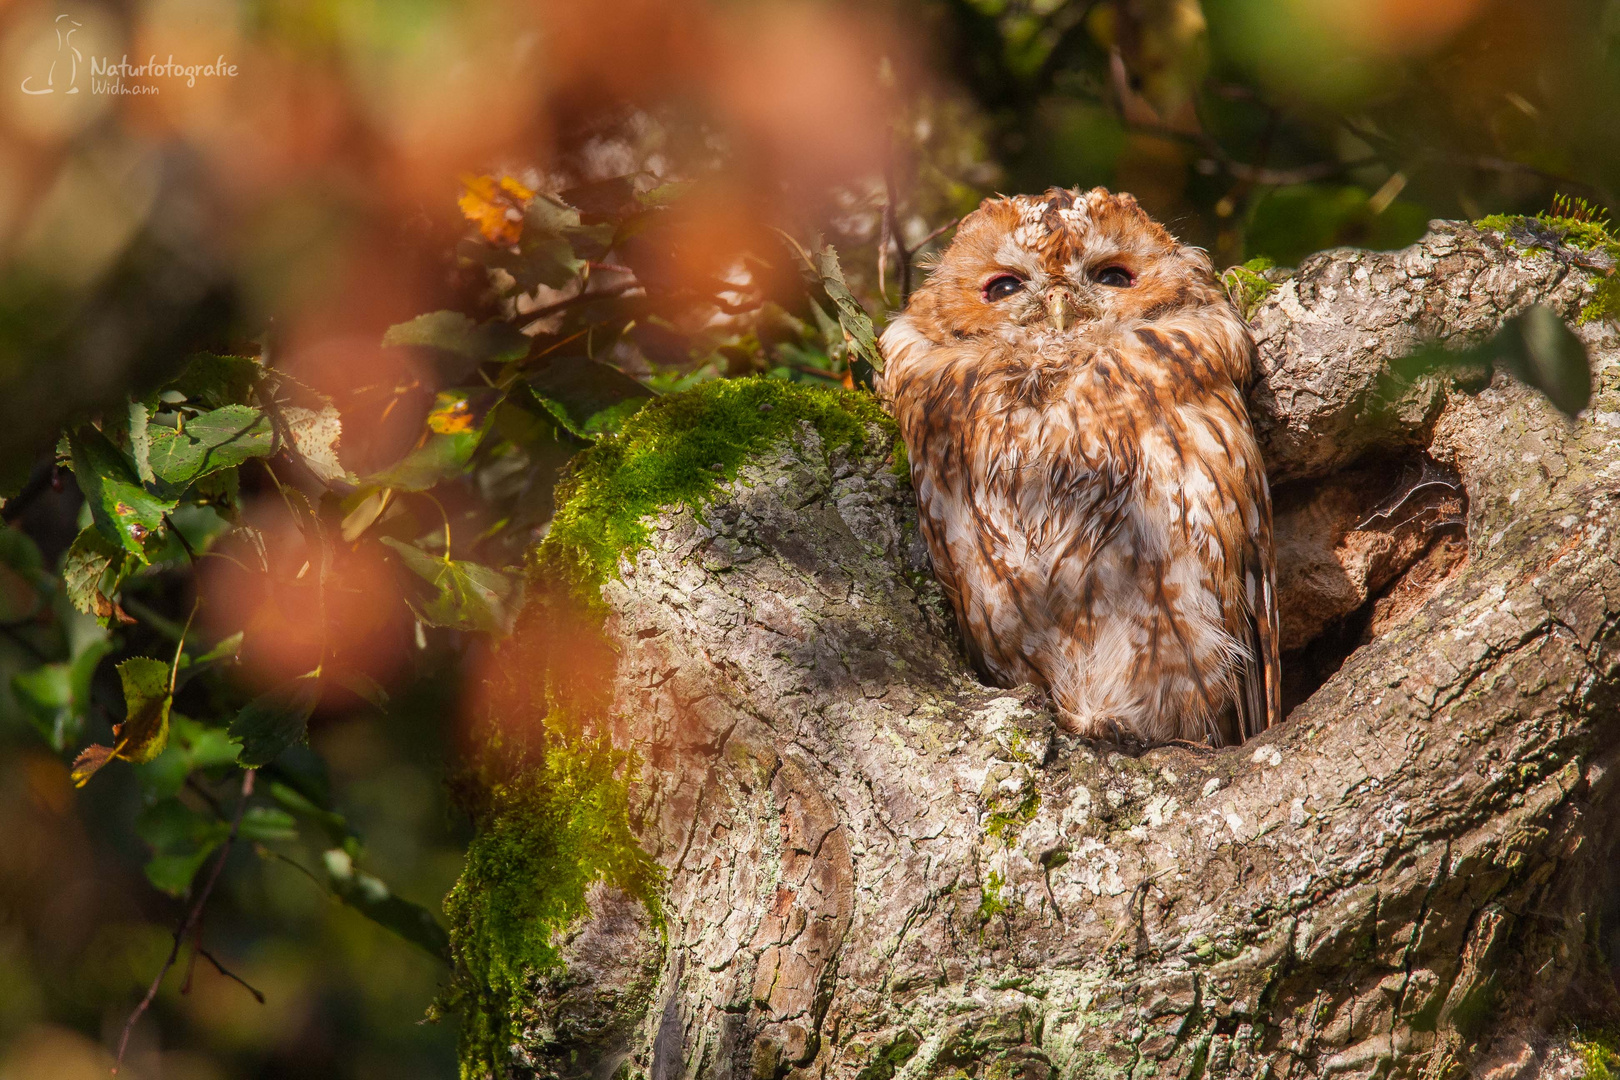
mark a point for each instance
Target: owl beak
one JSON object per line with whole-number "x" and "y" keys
{"x": 1060, "y": 309}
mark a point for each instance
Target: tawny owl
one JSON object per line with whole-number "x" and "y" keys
{"x": 1069, "y": 384}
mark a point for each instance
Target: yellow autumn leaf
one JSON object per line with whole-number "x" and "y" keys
{"x": 495, "y": 205}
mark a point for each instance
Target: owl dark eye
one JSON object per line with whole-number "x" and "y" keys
{"x": 1002, "y": 286}
{"x": 1114, "y": 276}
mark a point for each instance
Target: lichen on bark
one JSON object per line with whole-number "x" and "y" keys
{"x": 875, "y": 866}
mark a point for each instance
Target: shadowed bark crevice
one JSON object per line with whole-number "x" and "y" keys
{"x": 879, "y": 867}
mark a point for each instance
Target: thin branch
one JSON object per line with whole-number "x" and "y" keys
{"x": 231, "y": 975}
{"x": 191, "y": 552}
{"x": 193, "y": 915}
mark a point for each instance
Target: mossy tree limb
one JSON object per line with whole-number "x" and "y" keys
{"x": 877, "y": 867}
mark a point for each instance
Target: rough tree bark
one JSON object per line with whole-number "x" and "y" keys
{"x": 879, "y": 867}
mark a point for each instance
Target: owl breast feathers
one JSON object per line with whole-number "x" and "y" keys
{"x": 1069, "y": 385}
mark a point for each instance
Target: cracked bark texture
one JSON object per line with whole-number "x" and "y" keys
{"x": 878, "y": 867}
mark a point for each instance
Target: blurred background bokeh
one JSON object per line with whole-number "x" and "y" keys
{"x": 295, "y": 192}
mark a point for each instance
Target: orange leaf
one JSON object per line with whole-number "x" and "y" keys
{"x": 495, "y": 205}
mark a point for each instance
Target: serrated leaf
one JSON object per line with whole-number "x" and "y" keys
{"x": 85, "y": 572}
{"x": 466, "y": 595}
{"x": 144, "y": 731}
{"x": 214, "y": 381}
{"x": 586, "y": 397}
{"x": 272, "y": 722}
{"x": 124, "y": 511}
{"x": 316, "y": 436}
{"x": 209, "y": 443}
{"x": 372, "y": 897}
{"x": 455, "y": 333}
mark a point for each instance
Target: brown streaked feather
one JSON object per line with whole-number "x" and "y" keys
{"x": 1093, "y": 497}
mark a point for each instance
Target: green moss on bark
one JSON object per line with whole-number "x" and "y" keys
{"x": 545, "y": 834}
{"x": 548, "y": 792}
{"x": 1575, "y": 226}
{"x": 673, "y": 453}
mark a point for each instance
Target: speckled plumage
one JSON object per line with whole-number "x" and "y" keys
{"x": 1092, "y": 493}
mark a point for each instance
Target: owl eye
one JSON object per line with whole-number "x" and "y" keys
{"x": 1002, "y": 286}
{"x": 1114, "y": 276}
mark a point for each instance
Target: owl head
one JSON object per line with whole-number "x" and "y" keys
{"x": 1052, "y": 265}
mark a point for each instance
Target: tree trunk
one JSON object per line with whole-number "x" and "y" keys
{"x": 879, "y": 867}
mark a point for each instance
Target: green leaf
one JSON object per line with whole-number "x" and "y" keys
{"x": 1536, "y": 347}
{"x": 124, "y": 511}
{"x": 145, "y": 729}
{"x": 216, "y": 381}
{"x": 334, "y": 824}
{"x": 173, "y": 874}
{"x": 181, "y": 839}
{"x": 1540, "y": 350}
{"x": 84, "y": 571}
{"x": 372, "y": 898}
{"x": 455, "y": 333}
{"x": 192, "y": 746}
{"x": 208, "y": 443}
{"x": 854, "y": 320}
{"x": 440, "y": 458}
{"x": 587, "y": 398}
{"x": 548, "y": 249}
{"x": 140, "y": 443}
{"x": 272, "y": 722}
{"x": 46, "y": 695}
{"x": 225, "y": 650}
{"x": 22, "y": 577}
{"x": 467, "y": 596}
{"x": 665, "y": 195}
{"x": 56, "y": 697}
{"x": 267, "y": 824}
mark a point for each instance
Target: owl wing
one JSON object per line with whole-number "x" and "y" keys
{"x": 1259, "y": 700}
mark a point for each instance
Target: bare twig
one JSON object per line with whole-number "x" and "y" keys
{"x": 193, "y": 915}
{"x": 191, "y": 552}
{"x": 231, "y": 975}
